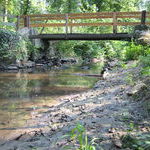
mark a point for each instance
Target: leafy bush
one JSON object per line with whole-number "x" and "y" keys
{"x": 133, "y": 51}
{"x": 13, "y": 47}
{"x": 81, "y": 49}
{"x": 88, "y": 50}
{"x": 66, "y": 48}
{"x": 145, "y": 71}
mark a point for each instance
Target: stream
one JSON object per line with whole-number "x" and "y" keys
{"x": 24, "y": 94}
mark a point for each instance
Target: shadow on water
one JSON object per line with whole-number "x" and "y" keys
{"x": 22, "y": 94}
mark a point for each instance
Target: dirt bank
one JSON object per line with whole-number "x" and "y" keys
{"x": 106, "y": 112}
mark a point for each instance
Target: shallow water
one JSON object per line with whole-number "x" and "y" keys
{"x": 23, "y": 94}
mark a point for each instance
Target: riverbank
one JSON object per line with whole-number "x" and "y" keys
{"x": 106, "y": 112}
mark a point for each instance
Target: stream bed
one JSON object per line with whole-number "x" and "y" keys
{"x": 24, "y": 94}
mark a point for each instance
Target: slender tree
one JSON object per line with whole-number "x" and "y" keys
{"x": 25, "y": 7}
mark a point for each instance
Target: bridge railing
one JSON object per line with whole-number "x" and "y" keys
{"x": 113, "y": 19}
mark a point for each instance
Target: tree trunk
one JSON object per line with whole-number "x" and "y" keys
{"x": 26, "y": 7}
{"x": 5, "y": 11}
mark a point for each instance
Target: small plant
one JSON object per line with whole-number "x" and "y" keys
{"x": 145, "y": 62}
{"x": 80, "y": 139}
{"x": 135, "y": 142}
{"x": 141, "y": 142}
{"x": 129, "y": 79}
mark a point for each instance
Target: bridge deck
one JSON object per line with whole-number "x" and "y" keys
{"x": 75, "y": 36}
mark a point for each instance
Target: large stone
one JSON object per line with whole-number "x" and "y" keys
{"x": 136, "y": 89}
{"x": 12, "y": 67}
{"x": 138, "y": 33}
{"x": 68, "y": 60}
{"x": 145, "y": 36}
{"x": 25, "y": 64}
{"x": 29, "y": 64}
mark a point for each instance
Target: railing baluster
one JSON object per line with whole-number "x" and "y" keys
{"x": 18, "y": 22}
{"x": 66, "y": 25}
{"x": 71, "y": 26}
{"x": 27, "y": 21}
{"x": 114, "y": 22}
{"x": 143, "y": 17}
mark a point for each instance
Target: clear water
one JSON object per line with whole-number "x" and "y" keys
{"x": 22, "y": 93}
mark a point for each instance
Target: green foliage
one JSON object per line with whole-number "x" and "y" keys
{"x": 88, "y": 50}
{"x": 80, "y": 138}
{"x": 12, "y": 46}
{"x": 145, "y": 62}
{"x": 130, "y": 79}
{"x": 66, "y": 48}
{"x": 84, "y": 50}
{"x": 141, "y": 142}
{"x": 136, "y": 141}
{"x": 33, "y": 52}
{"x": 146, "y": 71}
{"x": 134, "y": 51}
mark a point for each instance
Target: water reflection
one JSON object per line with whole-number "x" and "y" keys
{"x": 22, "y": 94}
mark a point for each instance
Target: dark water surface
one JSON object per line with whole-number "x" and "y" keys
{"x": 22, "y": 94}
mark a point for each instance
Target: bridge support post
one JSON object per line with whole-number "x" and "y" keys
{"x": 71, "y": 26}
{"x": 17, "y": 23}
{"x": 143, "y": 17}
{"x": 114, "y": 22}
{"x": 67, "y": 24}
{"x": 27, "y": 21}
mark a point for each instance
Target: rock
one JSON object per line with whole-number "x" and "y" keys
{"x": 136, "y": 89}
{"x": 25, "y": 64}
{"x": 29, "y": 64}
{"x": 85, "y": 67}
{"x": 113, "y": 63}
{"x": 96, "y": 60}
{"x": 50, "y": 64}
{"x": 39, "y": 65}
{"x": 117, "y": 143}
{"x": 138, "y": 33}
{"x": 145, "y": 37}
{"x": 12, "y": 67}
{"x": 112, "y": 130}
{"x": 2, "y": 67}
{"x": 106, "y": 75}
{"x": 68, "y": 60}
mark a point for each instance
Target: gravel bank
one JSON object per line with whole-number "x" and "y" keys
{"x": 105, "y": 111}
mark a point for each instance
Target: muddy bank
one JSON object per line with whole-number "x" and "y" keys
{"x": 106, "y": 112}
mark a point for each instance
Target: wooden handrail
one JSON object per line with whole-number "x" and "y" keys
{"x": 113, "y": 19}
{"x": 82, "y": 14}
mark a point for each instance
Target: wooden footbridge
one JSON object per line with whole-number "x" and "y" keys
{"x": 69, "y": 23}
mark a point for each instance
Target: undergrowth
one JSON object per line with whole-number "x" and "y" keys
{"x": 80, "y": 139}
